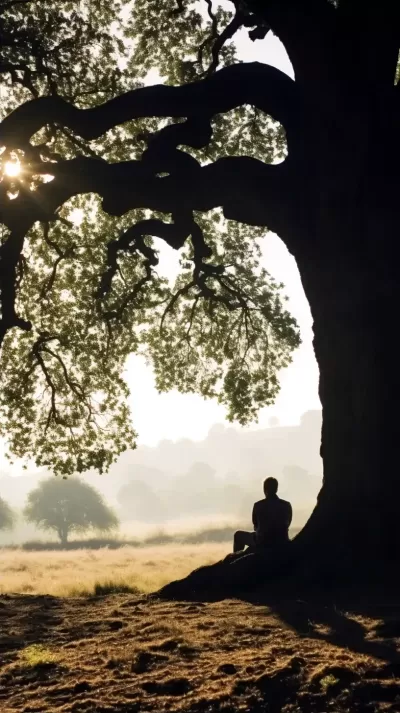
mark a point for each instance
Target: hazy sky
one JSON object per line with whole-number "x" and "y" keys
{"x": 173, "y": 415}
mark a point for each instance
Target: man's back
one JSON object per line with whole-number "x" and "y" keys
{"x": 271, "y": 519}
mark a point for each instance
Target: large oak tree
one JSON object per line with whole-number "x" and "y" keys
{"x": 162, "y": 161}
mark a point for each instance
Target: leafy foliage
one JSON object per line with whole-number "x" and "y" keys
{"x": 67, "y": 506}
{"x": 64, "y": 398}
{"x": 7, "y": 517}
{"x": 177, "y": 44}
{"x": 229, "y": 340}
{"x": 69, "y": 48}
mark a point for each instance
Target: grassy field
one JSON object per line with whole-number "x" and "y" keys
{"x": 83, "y": 571}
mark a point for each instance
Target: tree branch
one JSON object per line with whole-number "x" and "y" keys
{"x": 61, "y": 255}
{"x": 53, "y": 414}
{"x": 10, "y": 255}
{"x": 11, "y": 3}
{"x": 228, "y": 32}
{"x": 261, "y": 85}
{"x": 212, "y": 37}
{"x": 132, "y": 240}
{"x": 165, "y": 179}
{"x": 248, "y": 190}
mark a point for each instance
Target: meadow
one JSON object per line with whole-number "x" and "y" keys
{"x": 80, "y": 572}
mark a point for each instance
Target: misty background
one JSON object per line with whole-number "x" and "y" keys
{"x": 187, "y": 485}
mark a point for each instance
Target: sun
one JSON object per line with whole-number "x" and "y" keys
{"x": 12, "y": 168}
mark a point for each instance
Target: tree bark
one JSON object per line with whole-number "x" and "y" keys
{"x": 358, "y": 506}
{"x": 354, "y": 294}
{"x": 63, "y": 535}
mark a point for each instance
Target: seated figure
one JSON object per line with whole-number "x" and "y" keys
{"x": 271, "y": 519}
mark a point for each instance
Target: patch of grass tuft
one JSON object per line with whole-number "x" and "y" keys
{"x": 327, "y": 681}
{"x": 38, "y": 655}
{"x": 100, "y": 589}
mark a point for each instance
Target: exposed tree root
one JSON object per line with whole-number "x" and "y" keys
{"x": 290, "y": 571}
{"x": 232, "y": 576}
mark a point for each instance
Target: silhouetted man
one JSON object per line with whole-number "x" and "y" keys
{"x": 271, "y": 519}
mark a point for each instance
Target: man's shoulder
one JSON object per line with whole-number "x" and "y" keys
{"x": 286, "y": 503}
{"x": 267, "y": 503}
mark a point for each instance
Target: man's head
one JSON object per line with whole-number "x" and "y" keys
{"x": 270, "y": 486}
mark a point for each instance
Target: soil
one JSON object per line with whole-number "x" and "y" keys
{"x": 124, "y": 654}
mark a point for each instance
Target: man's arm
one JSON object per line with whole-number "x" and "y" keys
{"x": 254, "y": 517}
{"x": 289, "y": 515}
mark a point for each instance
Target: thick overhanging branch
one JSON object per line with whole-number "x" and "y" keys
{"x": 165, "y": 179}
{"x": 248, "y": 190}
{"x": 257, "y": 84}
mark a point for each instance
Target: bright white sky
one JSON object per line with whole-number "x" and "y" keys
{"x": 173, "y": 415}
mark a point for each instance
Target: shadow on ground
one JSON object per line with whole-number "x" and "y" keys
{"x": 259, "y": 653}
{"x": 343, "y": 623}
{"x": 27, "y": 620}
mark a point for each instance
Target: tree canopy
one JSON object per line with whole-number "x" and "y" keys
{"x": 7, "y": 516}
{"x": 68, "y": 505}
{"x": 198, "y": 161}
{"x": 79, "y": 283}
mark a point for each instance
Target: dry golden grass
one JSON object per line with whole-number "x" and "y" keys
{"x": 78, "y": 572}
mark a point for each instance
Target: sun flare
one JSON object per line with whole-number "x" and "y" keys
{"x": 12, "y": 168}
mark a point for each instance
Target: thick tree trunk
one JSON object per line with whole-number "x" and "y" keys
{"x": 358, "y": 507}
{"x": 354, "y": 293}
{"x": 63, "y": 535}
{"x": 348, "y": 260}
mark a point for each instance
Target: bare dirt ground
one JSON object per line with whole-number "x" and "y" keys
{"x": 125, "y": 654}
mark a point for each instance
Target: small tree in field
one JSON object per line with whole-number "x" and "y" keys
{"x": 7, "y": 517}
{"x": 67, "y": 506}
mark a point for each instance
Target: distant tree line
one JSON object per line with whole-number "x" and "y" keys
{"x": 199, "y": 492}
